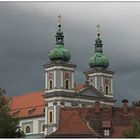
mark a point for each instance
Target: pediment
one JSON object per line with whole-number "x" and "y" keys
{"x": 90, "y": 91}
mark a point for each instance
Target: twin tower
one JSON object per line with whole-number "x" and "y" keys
{"x": 60, "y": 89}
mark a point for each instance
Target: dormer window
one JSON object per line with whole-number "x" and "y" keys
{"x": 16, "y": 113}
{"x": 31, "y": 111}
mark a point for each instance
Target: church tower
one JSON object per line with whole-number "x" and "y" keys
{"x": 59, "y": 73}
{"x": 59, "y": 81}
{"x": 99, "y": 75}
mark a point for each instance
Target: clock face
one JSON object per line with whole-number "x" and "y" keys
{"x": 67, "y": 75}
{"x": 107, "y": 82}
{"x": 50, "y": 75}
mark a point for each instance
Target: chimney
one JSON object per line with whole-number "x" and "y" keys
{"x": 125, "y": 106}
{"x": 97, "y": 107}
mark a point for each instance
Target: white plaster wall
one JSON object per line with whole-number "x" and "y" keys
{"x": 54, "y": 78}
{"x": 111, "y": 86}
{"x": 62, "y": 78}
{"x": 72, "y": 80}
{"x": 96, "y": 82}
{"x": 35, "y": 123}
{"x": 67, "y": 104}
{"x": 53, "y": 90}
{"x": 46, "y": 80}
{"x": 101, "y": 74}
{"x": 59, "y": 67}
{"x": 46, "y": 118}
{"x": 76, "y": 99}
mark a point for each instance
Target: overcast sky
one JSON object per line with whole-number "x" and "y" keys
{"x": 27, "y": 33}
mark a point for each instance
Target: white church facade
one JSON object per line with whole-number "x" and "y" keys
{"x": 39, "y": 112}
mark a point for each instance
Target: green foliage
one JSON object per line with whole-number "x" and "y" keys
{"x": 136, "y": 103}
{"x": 9, "y": 125}
{"x": 134, "y": 130}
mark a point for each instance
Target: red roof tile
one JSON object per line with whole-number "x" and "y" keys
{"x": 79, "y": 87}
{"x": 118, "y": 131}
{"x": 106, "y": 124}
{"x": 71, "y": 124}
{"x": 21, "y": 105}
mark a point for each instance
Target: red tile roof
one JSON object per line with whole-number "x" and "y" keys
{"x": 71, "y": 123}
{"x": 21, "y": 105}
{"x": 118, "y": 131}
{"x": 74, "y": 120}
{"x": 79, "y": 87}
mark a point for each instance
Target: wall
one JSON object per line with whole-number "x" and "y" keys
{"x": 35, "y": 124}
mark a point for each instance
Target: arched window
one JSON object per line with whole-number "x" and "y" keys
{"x": 50, "y": 117}
{"x": 50, "y": 84}
{"x": 43, "y": 127}
{"x": 106, "y": 90}
{"x": 67, "y": 84}
{"x": 28, "y": 129}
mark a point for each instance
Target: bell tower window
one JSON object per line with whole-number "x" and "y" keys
{"x": 106, "y": 90}
{"x": 67, "y": 84}
{"x": 50, "y": 84}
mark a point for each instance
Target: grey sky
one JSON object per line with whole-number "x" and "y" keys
{"x": 27, "y": 31}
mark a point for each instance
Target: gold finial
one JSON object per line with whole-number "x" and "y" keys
{"x": 59, "y": 17}
{"x": 98, "y": 29}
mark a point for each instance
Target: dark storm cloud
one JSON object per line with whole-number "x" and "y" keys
{"x": 27, "y": 31}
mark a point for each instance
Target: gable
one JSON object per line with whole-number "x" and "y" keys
{"x": 72, "y": 124}
{"x": 90, "y": 91}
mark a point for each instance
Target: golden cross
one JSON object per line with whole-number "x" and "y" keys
{"x": 59, "y": 17}
{"x": 98, "y": 28}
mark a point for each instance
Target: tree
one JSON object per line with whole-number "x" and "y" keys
{"x": 134, "y": 130}
{"x": 9, "y": 125}
{"x": 136, "y": 103}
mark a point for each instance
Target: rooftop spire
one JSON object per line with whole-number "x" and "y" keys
{"x": 59, "y": 52}
{"x": 59, "y": 17}
{"x": 98, "y": 41}
{"x": 98, "y": 30}
{"x": 59, "y": 34}
{"x": 59, "y": 22}
{"x": 98, "y": 60}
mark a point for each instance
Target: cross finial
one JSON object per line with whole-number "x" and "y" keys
{"x": 59, "y": 17}
{"x": 98, "y": 28}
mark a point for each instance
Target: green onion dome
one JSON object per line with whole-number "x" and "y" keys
{"x": 59, "y": 53}
{"x": 98, "y": 60}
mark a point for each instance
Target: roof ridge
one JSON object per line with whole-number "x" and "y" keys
{"x": 25, "y": 94}
{"x": 27, "y": 107}
{"x": 88, "y": 126}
